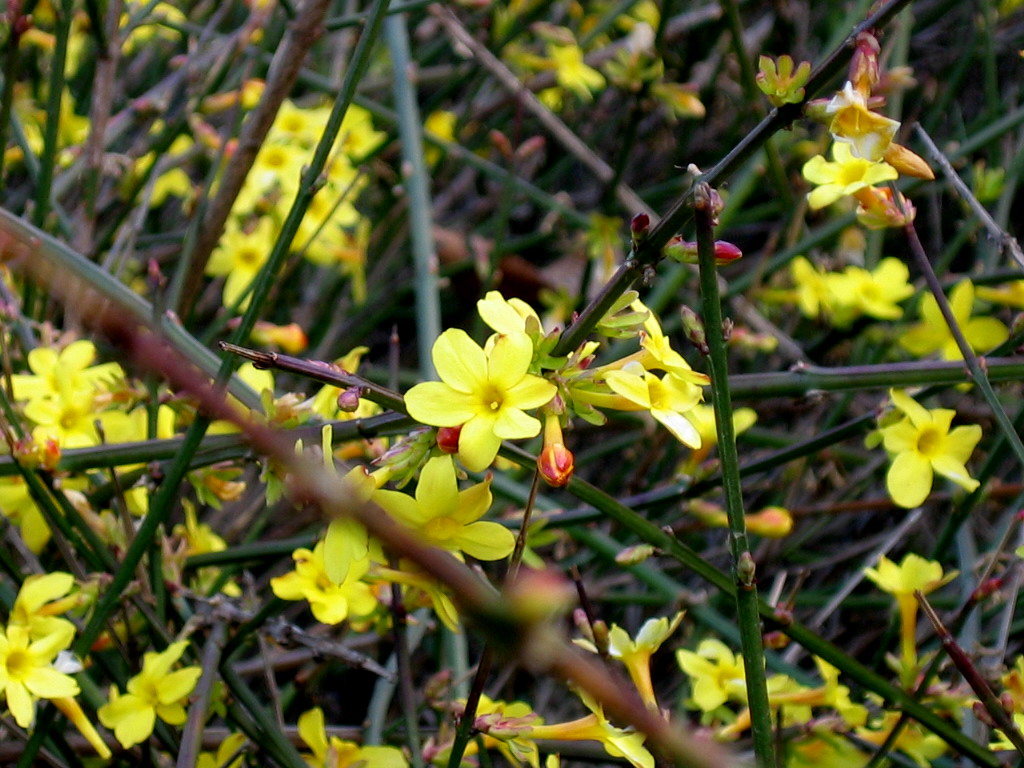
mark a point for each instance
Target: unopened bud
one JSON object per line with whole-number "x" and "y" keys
{"x": 987, "y": 588}
{"x": 530, "y": 147}
{"x": 289, "y": 338}
{"x": 1006, "y": 701}
{"x": 775, "y": 640}
{"x": 746, "y": 569}
{"x": 555, "y": 464}
{"x": 448, "y": 439}
{"x": 685, "y": 251}
{"x": 693, "y": 328}
{"x": 639, "y": 226}
{"x": 348, "y": 400}
{"x": 771, "y": 522}
{"x": 600, "y": 631}
{"x": 907, "y": 162}
{"x": 983, "y": 714}
{"x": 634, "y": 555}
{"x": 538, "y": 595}
{"x": 582, "y": 624}
{"x": 864, "y": 63}
{"x": 500, "y": 142}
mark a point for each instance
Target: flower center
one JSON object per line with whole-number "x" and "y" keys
{"x": 492, "y": 398}
{"x": 929, "y": 441}
{"x": 441, "y": 529}
{"x": 19, "y": 663}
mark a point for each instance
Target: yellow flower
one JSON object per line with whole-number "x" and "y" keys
{"x": 845, "y": 176}
{"x": 486, "y": 393}
{"x": 813, "y": 289}
{"x": 41, "y": 597}
{"x": 878, "y": 292}
{"x": 922, "y": 444}
{"x": 595, "y": 727}
{"x": 716, "y": 674}
{"x": 228, "y": 748}
{"x": 335, "y": 753}
{"x": 867, "y": 133}
{"x": 27, "y": 672}
{"x": 914, "y": 574}
{"x": 331, "y": 603}
{"x": 240, "y": 256}
{"x": 508, "y": 315}
{"x": 71, "y": 422}
{"x": 658, "y": 353}
{"x": 572, "y": 72}
{"x": 445, "y": 517}
{"x": 636, "y": 654}
{"x": 155, "y": 692}
{"x": 932, "y": 334}
{"x": 668, "y": 399}
{"x": 923, "y": 748}
{"x": 66, "y": 373}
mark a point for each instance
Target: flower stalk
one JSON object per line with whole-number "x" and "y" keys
{"x": 743, "y": 564}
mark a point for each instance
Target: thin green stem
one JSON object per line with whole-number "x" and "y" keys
{"x": 751, "y": 644}
{"x": 47, "y": 161}
{"x": 417, "y": 187}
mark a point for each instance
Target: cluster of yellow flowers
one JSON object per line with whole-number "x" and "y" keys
{"x": 332, "y": 233}
{"x": 864, "y": 154}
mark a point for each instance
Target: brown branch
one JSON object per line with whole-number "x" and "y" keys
{"x": 302, "y": 33}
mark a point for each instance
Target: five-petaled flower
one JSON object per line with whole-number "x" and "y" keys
{"x": 487, "y": 393}
{"x": 155, "y": 692}
{"x": 847, "y": 175}
{"x": 446, "y": 517}
{"x": 922, "y": 444}
{"x": 27, "y": 671}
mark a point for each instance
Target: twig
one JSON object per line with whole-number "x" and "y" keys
{"x": 1006, "y": 241}
{"x": 284, "y": 71}
{"x": 630, "y": 200}
{"x": 973, "y": 677}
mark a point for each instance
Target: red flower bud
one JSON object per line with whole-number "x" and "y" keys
{"x": 555, "y": 464}
{"x": 639, "y": 227}
{"x": 726, "y": 252}
{"x": 448, "y": 439}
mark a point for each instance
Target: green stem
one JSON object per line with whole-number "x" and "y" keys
{"x": 53, "y": 104}
{"x": 417, "y": 187}
{"x": 746, "y": 588}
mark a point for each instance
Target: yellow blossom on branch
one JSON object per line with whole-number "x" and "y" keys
{"x": 932, "y": 334}
{"x": 866, "y": 133}
{"x": 716, "y": 674}
{"x": 668, "y": 399}
{"x": 846, "y": 175}
{"x": 27, "y": 671}
{"x": 330, "y": 602}
{"x": 572, "y": 72}
{"x": 922, "y": 444}
{"x": 445, "y": 517}
{"x": 155, "y": 692}
{"x": 487, "y": 393}
{"x": 913, "y": 574}
{"x": 332, "y": 752}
